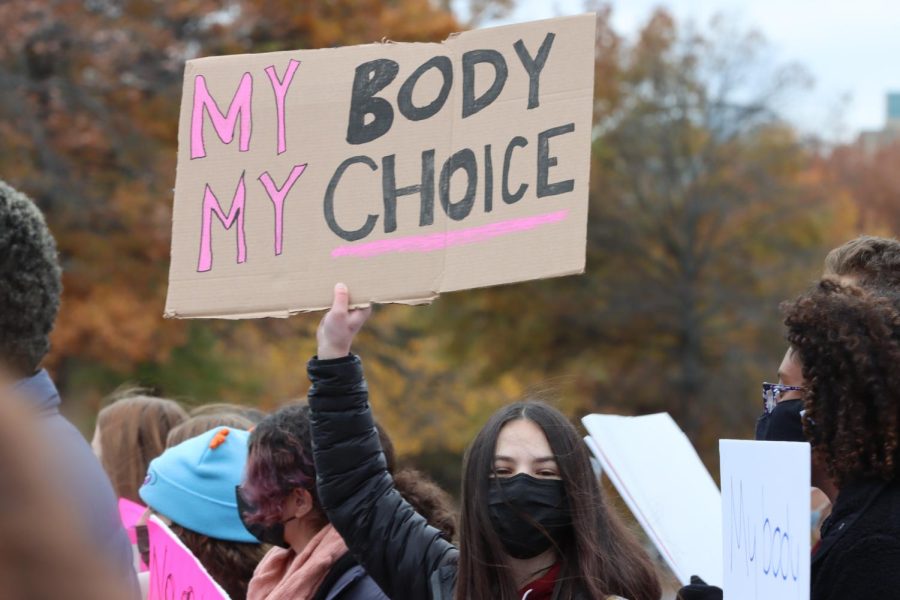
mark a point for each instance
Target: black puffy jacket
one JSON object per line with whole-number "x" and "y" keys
{"x": 406, "y": 557}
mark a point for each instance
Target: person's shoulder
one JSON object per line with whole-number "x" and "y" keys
{"x": 355, "y": 584}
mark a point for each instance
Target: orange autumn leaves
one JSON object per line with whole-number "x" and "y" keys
{"x": 704, "y": 215}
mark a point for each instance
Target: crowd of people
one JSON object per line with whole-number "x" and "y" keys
{"x": 307, "y": 502}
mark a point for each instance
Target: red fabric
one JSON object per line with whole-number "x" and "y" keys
{"x": 542, "y": 589}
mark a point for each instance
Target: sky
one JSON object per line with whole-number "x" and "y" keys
{"x": 851, "y": 49}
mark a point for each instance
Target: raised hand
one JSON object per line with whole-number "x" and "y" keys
{"x": 340, "y": 325}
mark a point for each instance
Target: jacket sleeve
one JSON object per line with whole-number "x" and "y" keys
{"x": 384, "y": 533}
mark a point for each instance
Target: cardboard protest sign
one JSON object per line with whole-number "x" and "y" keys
{"x": 403, "y": 170}
{"x": 657, "y": 472}
{"x": 174, "y": 571}
{"x": 766, "y": 519}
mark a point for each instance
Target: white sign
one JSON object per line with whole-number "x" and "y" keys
{"x": 765, "y": 519}
{"x": 657, "y": 472}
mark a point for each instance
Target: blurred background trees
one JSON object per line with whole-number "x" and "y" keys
{"x": 707, "y": 210}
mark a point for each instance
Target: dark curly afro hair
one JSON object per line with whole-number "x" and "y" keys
{"x": 848, "y": 341}
{"x": 30, "y": 282}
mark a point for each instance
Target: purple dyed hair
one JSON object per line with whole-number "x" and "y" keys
{"x": 280, "y": 461}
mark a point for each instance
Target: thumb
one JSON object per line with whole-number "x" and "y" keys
{"x": 341, "y": 301}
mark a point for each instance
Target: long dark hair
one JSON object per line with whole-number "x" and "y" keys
{"x": 600, "y": 558}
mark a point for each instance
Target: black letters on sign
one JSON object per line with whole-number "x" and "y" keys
{"x": 390, "y": 191}
{"x": 471, "y": 104}
{"x": 508, "y": 197}
{"x": 371, "y": 77}
{"x": 369, "y": 225}
{"x": 488, "y": 179}
{"x": 545, "y": 161}
{"x": 534, "y": 66}
{"x": 464, "y": 159}
{"x": 404, "y": 98}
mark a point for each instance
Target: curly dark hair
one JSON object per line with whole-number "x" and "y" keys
{"x": 231, "y": 564}
{"x": 30, "y": 282}
{"x": 429, "y": 500}
{"x": 848, "y": 341}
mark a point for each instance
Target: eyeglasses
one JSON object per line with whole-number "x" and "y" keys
{"x": 772, "y": 393}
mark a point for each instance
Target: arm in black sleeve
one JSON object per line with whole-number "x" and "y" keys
{"x": 395, "y": 544}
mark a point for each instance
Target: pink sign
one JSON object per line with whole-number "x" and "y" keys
{"x": 130, "y": 513}
{"x": 175, "y": 573}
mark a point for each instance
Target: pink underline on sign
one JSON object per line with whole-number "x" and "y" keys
{"x": 439, "y": 241}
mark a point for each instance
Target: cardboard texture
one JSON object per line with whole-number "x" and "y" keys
{"x": 766, "y": 521}
{"x": 402, "y": 170}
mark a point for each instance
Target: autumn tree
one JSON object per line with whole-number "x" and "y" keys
{"x": 871, "y": 179}
{"x": 88, "y": 128}
{"x": 701, "y": 221}
{"x": 706, "y": 210}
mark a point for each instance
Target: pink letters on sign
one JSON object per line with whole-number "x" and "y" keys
{"x": 277, "y": 196}
{"x": 223, "y": 124}
{"x": 175, "y": 573}
{"x": 281, "y": 87}
{"x": 211, "y": 205}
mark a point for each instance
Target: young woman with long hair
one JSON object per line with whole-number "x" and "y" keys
{"x": 534, "y": 523}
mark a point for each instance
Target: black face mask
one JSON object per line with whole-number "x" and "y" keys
{"x": 143, "y": 543}
{"x": 529, "y": 514}
{"x": 783, "y": 424}
{"x": 267, "y": 534}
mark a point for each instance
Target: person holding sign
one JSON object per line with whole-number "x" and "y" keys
{"x": 534, "y": 523}
{"x": 848, "y": 341}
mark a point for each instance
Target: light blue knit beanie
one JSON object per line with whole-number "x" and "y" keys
{"x": 193, "y": 484}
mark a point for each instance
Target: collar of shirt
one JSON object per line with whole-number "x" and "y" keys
{"x": 542, "y": 588}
